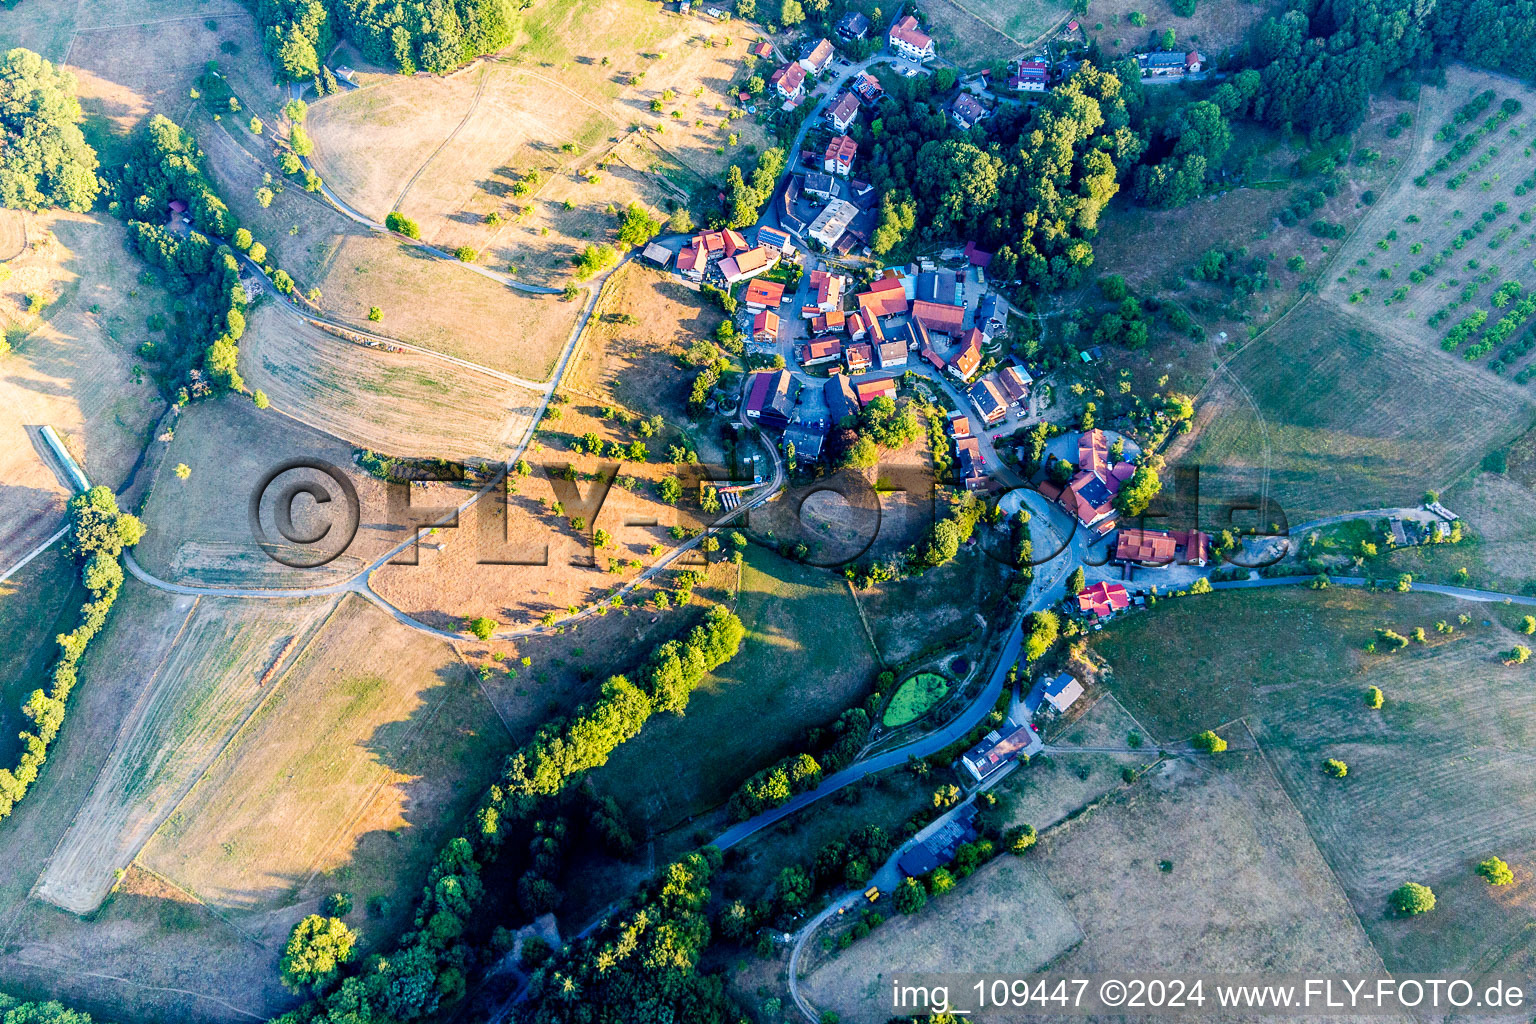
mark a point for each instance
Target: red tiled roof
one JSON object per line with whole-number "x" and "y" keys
{"x": 788, "y": 78}
{"x": 766, "y": 322}
{"x": 734, "y": 243}
{"x": 859, "y": 354}
{"x": 968, "y": 357}
{"x": 883, "y": 298}
{"x": 825, "y": 348}
{"x": 959, "y": 426}
{"x": 906, "y": 31}
{"x": 689, "y": 258}
{"x": 938, "y": 316}
{"x": 764, "y": 293}
{"x": 1196, "y": 545}
{"x": 1145, "y": 546}
{"x": 870, "y": 390}
{"x": 1103, "y": 598}
{"x": 1093, "y": 453}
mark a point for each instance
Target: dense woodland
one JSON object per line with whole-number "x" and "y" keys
{"x": 164, "y": 165}
{"x": 407, "y": 35}
{"x": 44, "y": 159}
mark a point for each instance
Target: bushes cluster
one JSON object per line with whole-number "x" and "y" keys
{"x": 828, "y": 750}
{"x": 98, "y": 533}
{"x": 410, "y": 36}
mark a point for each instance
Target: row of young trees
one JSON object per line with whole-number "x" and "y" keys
{"x": 98, "y": 533}
{"x": 666, "y": 681}
{"x": 408, "y": 35}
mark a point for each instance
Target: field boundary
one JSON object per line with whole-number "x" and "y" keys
{"x": 1312, "y": 837}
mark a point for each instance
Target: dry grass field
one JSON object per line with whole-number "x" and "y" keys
{"x": 1334, "y": 418}
{"x": 805, "y": 660}
{"x": 1473, "y": 239}
{"x": 1202, "y": 868}
{"x": 1449, "y": 743}
{"x": 13, "y": 234}
{"x": 351, "y": 774}
{"x": 975, "y": 34}
{"x": 199, "y": 666}
{"x": 71, "y": 369}
{"x": 1215, "y": 26}
{"x": 402, "y": 403}
{"x": 199, "y": 528}
{"x": 423, "y": 300}
{"x": 558, "y": 103}
{"x": 1006, "y": 917}
{"x": 1498, "y": 549}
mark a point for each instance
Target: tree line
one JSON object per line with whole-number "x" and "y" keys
{"x": 99, "y": 532}
{"x": 45, "y": 160}
{"x": 407, "y": 35}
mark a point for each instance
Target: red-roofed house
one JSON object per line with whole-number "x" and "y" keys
{"x": 843, "y": 112}
{"x": 822, "y": 350}
{"x": 884, "y": 297}
{"x": 765, "y": 327}
{"x": 764, "y": 294}
{"x": 1154, "y": 547}
{"x": 827, "y": 323}
{"x": 1103, "y": 599}
{"x": 870, "y": 390}
{"x": 964, "y": 360}
{"x": 734, "y": 241}
{"x": 938, "y": 316}
{"x": 828, "y": 288}
{"x": 691, "y": 262}
{"x": 868, "y": 88}
{"x": 748, "y": 263}
{"x": 857, "y": 358}
{"x": 1029, "y": 76}
{"x": 910, "y": 41}
{"x": 1091, "y": 493}
{"x": 838, "y": 159}
{"x": 789, "y": 82}
{"x": 763, "y": 49}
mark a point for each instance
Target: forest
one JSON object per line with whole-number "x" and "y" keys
{"x": 406, "y": 35}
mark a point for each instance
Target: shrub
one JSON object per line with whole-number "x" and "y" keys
{"x": 482, "y": 627}
{"x": 910, "y": 896}
{"x": 1020, "y": 838}
{"x": 1411, "y": 898}
{"x": 1209, "y": 742}
{"x": 1496, "y": 871}
{"x": 1334, "y": 768}
{"x": 1374, "y": 697}
{"x": 399, "y": 222}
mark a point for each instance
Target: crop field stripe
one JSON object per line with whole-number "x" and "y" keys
{"x": 273, "y": 683}
{"x": 133, "y": 713}
{"x": 1322, "y": 852}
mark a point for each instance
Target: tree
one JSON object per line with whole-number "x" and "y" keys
{"x": 183, "y": 471}
{"x": 1334, "y": 768}
{"x": 1209, "y": 742}
{"x": 940, "y": 881}
{"x": 1496, "y": 871}
{"x": 482, "y": 627}
{"x": 594, "y": 259}
{"x": 1019, "y": 839}
{"x": 638, "y": 226}
{"x": 1044, "y": 628}
{"x": 317, "y": 949}
{"x": 296, "y": 110}
{"x": 1076, "y": 582}
{"x": 1168, "y": 39}
{"x": 670, "y": 490}
{"x": 1411, "y": 898}
{"x": 1374, "y": 697}
{"x": 1528, "y": 625}
{"x": 259, "y": 398}
{"x": 375, "y": 314}
{"x": 1140, "y": 489}
{"x": 1517, "y": 655}
{"x": 399, "y": 222}
{"x": 790, "y": 13}
{"x": 910, "y": 896}
{"x": 47, "y": 161}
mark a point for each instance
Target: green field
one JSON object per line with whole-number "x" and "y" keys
{"x": 38, "y": 603}
{"x": 1329, "y": 417}
{"x": 915, "y": 697}
{"x": 972, "y": 32}
{"x": 805, "y": 660}
{"x": 1438, "y": 779}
